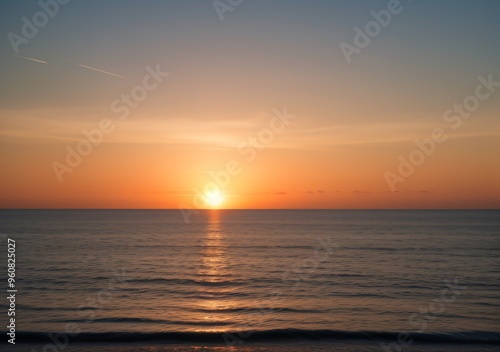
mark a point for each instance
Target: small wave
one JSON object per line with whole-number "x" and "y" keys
{"x": 188, "y": 282}
{"x": 143, "y": 321}
{"x": 250, "y": 310}
{"x": 59, "y": 309}
{"x": 469, "y": 337}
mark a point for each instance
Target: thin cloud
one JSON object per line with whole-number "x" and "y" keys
{"x": 98, "y": 70}
{"x": 30, "y": 58}
{"x": 259, "y": 193}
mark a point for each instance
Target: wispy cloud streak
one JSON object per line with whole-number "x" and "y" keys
{"x": 102, "y": 71}
{"x": 30, "y": 58}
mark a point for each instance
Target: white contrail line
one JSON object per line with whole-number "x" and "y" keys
{"x": 81, "y": 65}
{"x": 96, "y": 69}
{"x": 30, "y": 58}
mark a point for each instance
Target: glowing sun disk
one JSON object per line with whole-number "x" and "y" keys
{"x": 214, "y": 199}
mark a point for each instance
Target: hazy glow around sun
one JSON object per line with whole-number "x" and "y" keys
{"x": 214, "y": 199}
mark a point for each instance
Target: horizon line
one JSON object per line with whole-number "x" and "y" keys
{"x": 216, "y": 209}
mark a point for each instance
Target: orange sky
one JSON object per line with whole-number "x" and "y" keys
{"x": 234, "y": 80}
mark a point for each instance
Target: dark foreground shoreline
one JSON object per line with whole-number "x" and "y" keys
{"x": 264, "y": 336}
{"x": 269, "y": 340}
{"x": 252, "y": 347}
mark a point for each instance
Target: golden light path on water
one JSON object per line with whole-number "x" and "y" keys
{"x": 215, "y": 276}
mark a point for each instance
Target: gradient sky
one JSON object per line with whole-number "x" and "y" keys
{"x": 353, "y": 120}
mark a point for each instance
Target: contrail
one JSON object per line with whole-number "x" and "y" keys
{"x": 95, "y": 69}
{"x": 30, "y": 58}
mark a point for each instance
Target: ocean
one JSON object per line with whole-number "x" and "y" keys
{"x": 253, "y": 280}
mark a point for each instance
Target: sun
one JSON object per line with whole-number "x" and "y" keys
{"x": 214, "y": 199}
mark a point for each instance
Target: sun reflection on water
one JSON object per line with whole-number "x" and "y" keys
{"x": 215, "y": 278}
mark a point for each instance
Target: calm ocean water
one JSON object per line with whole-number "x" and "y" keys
{"x": 250, "y": 277}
